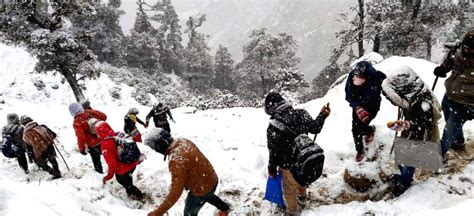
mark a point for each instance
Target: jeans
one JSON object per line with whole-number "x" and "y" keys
{"x": 95, "y": 153}
{"x": 195, "y": 203}
{"x": 406, "y": 175}
{"x": 126, "y": 181}
{"x": 455, "y": 115}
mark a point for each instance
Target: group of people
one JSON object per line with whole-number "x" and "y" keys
{"x": 191, "y": 170}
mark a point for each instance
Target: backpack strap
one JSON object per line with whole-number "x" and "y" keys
{"x": 281, "y": 126}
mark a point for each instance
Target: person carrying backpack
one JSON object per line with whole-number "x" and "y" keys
{"x": 86, "y": 139}
{"x": 421, "y": 111}
{"x": 130, "y": 122}
{"x": 286, "y": 124}
{"x": 458, "y": 102}
{"x": 41, "y": 139}
{"x": 13, "y": 142}
{"x": 190, "y": 170}
{"x": 119, "y": 166}
{"x": 160, "y": 114}
{"x": 363, "y": 90}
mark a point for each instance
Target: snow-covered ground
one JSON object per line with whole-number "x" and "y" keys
{"x": 234, "y": 140}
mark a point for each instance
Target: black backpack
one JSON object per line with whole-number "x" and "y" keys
{"x": 308, "y": 155}
{"x": 309, "y": 160}
{"x": 128, "y": 151}
{"x": 8, "y": 149}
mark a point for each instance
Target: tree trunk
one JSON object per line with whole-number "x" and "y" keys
{"x": 264, "y": 86}
{"x": 361, "y": 28}
{"x": 428, "y": 48}
{"x": 76, "y": 89}
{"x": 416, "y": 9}
{"x": 377, "y": 43}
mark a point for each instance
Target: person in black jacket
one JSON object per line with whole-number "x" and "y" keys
{"x": 130, "y": 124}
{"x": 160, "y": 114}
{"x": 363, "y": 89}
{"x": 281, "y": 142}
{"x": 14, "y": 131}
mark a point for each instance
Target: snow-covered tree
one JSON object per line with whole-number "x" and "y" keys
{"x": 266, "y": 56}
{"x": 223, "y": 70}
{"x": 198, "y": 61}
{"x": 106, "y": 31}
{"x": 169, "y": 36}
{"x": 44, "y": 28}
{"x": 142, "y": 49}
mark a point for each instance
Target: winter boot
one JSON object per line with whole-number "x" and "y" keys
{"x": 359, "y": 156}
{"x": 399, "y": 189}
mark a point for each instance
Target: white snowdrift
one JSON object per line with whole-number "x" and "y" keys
{"x": 233, "y": 139}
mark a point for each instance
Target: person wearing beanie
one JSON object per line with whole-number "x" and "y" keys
{"x": 458, "y": 102}
{"x": 130, "y": 124}
{"x": 421, "y": 112}
{"x": 41, "y": 139}
{"x": 86, "y": 139}
{"x": 363, "y": 90}
{"x": 14, "y": 132}
{"x": 190, "y": 170}
{"x": 286, "y": 123}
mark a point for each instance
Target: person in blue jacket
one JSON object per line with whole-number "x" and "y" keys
{"x": 363, "y": 90}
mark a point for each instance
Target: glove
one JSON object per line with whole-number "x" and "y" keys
{"x": 362, "y": 114}
{"x": 399, "y": 125}
{"x": 272, "y": 172}
{"x": 83, "y": 152}
{"x": 146, "y": 125}
{"x": 440, "y": 72}
{"x": 326, "y": 110}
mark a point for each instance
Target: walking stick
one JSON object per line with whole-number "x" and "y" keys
{"x": 57, "y": 149}
{"x": 315, "y": 135}
{"x": 434, "y": 84}
{"x": 396, "y": 132}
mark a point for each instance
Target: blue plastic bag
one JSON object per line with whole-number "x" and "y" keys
{"x": 274, "y": 193}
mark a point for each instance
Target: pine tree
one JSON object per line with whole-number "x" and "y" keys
{"x": 142, "y": 45}
{"x": 198, "y": 61}
{"x": 106, "y": 30}
{"x": 223, "y": 70}
{"x": 42, "y": 27}
{"x": 270, "y": 62}
{"x": 169, "y": 37}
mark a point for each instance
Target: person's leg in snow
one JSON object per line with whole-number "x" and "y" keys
{"x": 166, "y": 127}
{"x": 23, "y": 162}
{"x": 126, "y": 181}
{"x": 193, "y": 204}
{"x": 291, "y": 192}
{"x": 95, "y": 153}
{"x": 403, "y": 182}
{"x": 455, "y": 119}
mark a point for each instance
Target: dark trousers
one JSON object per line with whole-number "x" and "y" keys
{"x": 360, "y": 129}
{"x": 455, "y": 115}
{"x": 22, "y": 161}
{"x": 165, "y": 127}
{"x": 49, "y": 156}
{"x": 95, "y": 153}
{"x": 195, "y": 203}
{"x": 406, "y": 175}
{"x": 126, "y": 181}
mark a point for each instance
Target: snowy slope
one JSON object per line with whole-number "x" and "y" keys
{"x": 233, "y": 140}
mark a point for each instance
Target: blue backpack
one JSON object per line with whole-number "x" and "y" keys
{"x": 8, "y": 149}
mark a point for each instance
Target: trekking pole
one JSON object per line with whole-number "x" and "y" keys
{"x": 57, "y": 149}
{"x": 434, "y": 84}
{"x": 315, "y": 135}
{"x": 396, "y": 132}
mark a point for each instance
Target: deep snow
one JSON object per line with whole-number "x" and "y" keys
{"x": 234, "y": 140}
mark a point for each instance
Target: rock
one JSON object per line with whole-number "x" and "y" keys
{"x": 38, "y": 83}
{"x": 115, "y": 92}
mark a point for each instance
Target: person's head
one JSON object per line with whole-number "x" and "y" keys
{"x": 24, "y": 120}
{"x": 133, "y": 111}
{"x": 75, "y": 109}
{"x": 12, "y": 118}
{"x": 272, "y": 101}
{"x": 468, "y": 43}
{"x": 404, "y": 87}
{"x": 362, "y": 72}
{"x": 86, "y": 104}
{"x": 92, "y": 124}
{"x": 159, "y": 140}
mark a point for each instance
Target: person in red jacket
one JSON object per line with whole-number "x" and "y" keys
{"x": 122, "y": 171}
{"x": 86, "y": 139}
